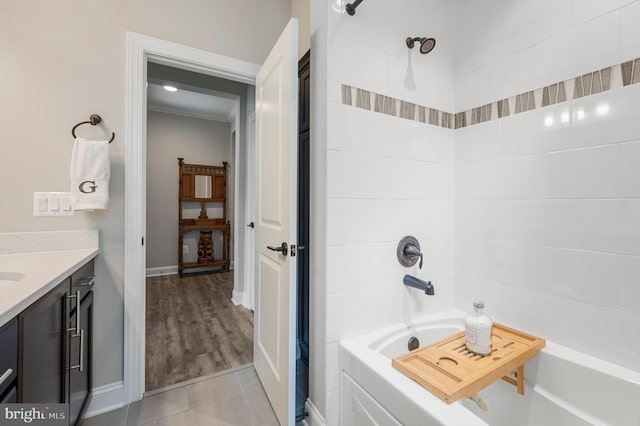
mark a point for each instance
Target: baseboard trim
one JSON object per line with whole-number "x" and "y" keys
{"x": 162, "y": 270}
{"x": 106, "y": 398}
{"x": 157, "y": 271}
{"x": 238, "y": 297}
{"x": 315, "y": 418}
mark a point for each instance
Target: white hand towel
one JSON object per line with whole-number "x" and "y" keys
{"x": 90, "y": 173}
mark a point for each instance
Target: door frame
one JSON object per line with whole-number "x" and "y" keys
{"x": 234, "y": 152}
{"x": 141, "y": 49}
{"x": 250, "y": 215}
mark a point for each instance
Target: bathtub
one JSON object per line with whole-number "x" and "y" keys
{"x": 563, "y": 386}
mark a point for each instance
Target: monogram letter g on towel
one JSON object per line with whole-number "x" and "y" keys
{"x": 92, "y": 187}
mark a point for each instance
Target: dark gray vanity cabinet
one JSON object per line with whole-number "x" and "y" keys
{"x": 8, "y": 362}
{"x": 55, "y": 346}
{"x": 43, "y": 348}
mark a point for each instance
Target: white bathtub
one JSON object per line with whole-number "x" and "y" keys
{"x": 563, "y": 387}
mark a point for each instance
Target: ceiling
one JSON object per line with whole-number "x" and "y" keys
{"x": 191, "y": 102}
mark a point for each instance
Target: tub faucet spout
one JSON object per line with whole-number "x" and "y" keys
{"x": 426, "y": 286}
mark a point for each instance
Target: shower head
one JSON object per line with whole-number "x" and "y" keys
{"x": 426, "y": 44}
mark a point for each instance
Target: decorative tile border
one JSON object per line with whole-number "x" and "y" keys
{"x": 613, "y": 77}
{"x": 377, "y": 102}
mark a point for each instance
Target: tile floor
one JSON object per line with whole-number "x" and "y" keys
{"x": 233, "y": 398}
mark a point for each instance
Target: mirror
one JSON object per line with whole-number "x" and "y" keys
{"x": 202, "y": 186}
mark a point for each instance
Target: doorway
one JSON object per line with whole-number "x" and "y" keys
{"x": 141, "y": 50}
{"x": 304, "y": 186}
{"x": 144, "y": 52}
{"x": 193, "y": 328}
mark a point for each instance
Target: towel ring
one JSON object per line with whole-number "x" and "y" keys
{"x": 93, "y": 120}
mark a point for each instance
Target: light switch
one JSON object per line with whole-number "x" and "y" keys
{"x": 53, "y": 204}
{"x": 65, "y": 204}
{"x": 42, "y": 204}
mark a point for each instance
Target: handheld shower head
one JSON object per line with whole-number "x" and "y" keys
{"x": 426, "y": 44}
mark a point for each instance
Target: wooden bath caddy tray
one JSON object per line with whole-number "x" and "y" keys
{"x": 451, "y": 372}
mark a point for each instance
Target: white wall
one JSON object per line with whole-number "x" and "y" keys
{"x": 198, "y": 142}
{"x": 505, "y": 47}
{"x": 386, "y": 177}
{"x": 66, "y": 60}
{"x": 548, "y": 201}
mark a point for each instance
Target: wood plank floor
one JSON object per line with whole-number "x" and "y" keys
{"x": 193, "y": 328}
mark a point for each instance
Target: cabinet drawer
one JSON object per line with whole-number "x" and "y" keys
{"x": 8, "y": 355}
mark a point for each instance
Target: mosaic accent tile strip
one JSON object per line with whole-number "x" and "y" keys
{"x": 363, "y": 99}
{"x": 346, "y": 95}
{"x": 588, "y": 84}
{"x": 631, "y": 72}
{"x": 407, "y": 110}
{"x": 422, "y": 114}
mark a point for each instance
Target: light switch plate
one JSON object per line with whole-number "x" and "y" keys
{"x": 52, "y": 204}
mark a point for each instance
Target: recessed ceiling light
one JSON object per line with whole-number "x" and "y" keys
{"x": 170, "y": 89}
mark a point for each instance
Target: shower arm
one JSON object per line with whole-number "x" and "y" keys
{"x": 351, "y": 7}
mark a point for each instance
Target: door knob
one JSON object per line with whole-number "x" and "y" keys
{"x": 251, "y": 225}
{"x": 282, "y": 249}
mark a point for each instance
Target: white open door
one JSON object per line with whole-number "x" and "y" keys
{"x": 275, "y": 301}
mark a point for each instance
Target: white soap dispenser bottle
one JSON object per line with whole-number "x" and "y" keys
{"x": 478, "y": 327}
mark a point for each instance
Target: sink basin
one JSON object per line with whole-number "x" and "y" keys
{"x": 10, "y": 277}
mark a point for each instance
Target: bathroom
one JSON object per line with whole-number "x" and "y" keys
{"x": 534, "y": 213}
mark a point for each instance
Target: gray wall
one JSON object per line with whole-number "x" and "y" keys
{"x": 301, "y": 10}
{"x": 65, "y": 60}
{"x": 197, "y": 141}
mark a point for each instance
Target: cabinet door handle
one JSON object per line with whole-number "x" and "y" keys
{"x": 77, "y": 329}
{"x": 78, "y": 315}
{"x": 6, "y": 375}
{"x": 80, "y": 366}
{"x": 81, "y": 350}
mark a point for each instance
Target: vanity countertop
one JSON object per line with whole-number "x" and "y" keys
{"x": 43, "y": 271}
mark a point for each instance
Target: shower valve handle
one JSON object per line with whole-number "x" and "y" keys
{"x": 411, "y": 252}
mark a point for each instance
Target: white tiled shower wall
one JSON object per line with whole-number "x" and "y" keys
{"x": 505, "y": 47}
{"x": 387, "y": 177}
{"x": 548, "y": 201}
{"x": 545, "y": 218}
